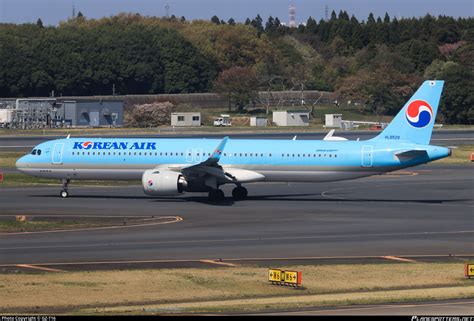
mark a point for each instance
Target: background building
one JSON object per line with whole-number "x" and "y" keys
{"x": 258, "y": 121}
{"x": 333, "y": 120}
{"x": 92, "y": 113}
{"x": 30, "y": 113}
{"x": 291, "y": 118}
{"x": 185, "y": 119}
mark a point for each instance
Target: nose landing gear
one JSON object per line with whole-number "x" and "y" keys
{"x": 64, "y": 193}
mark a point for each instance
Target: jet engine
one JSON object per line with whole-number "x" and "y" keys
{"x": 163, "y": 183}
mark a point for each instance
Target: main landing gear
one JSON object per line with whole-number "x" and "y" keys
{"x": 216, "y": 195}
{"x": 64, "y": 193}
{"x": 238, "y": 193}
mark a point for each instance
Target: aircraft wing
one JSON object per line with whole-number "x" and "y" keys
{"x": 211, "y": 168}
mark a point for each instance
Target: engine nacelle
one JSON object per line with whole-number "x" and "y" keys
{"x": 163, "y": 183}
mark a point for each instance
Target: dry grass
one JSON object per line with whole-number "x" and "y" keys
{"x": 184, "y": 287}
{"x": 460, "y": 155}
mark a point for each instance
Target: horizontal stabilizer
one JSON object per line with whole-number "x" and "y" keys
{"x": 330, "y": 136}
{"x": 411, "y": 154}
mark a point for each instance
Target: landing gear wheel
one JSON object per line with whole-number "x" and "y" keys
{"x": 64, "y": 193}
{"x": 239, "y": 193}
{"x": 216, "y": 195}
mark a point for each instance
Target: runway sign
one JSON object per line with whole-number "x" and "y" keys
{"x": 281, "y": 277}
{"x": 468, "y": 270}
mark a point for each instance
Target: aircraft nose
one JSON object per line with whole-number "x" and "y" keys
{"x": 21, "y": 163}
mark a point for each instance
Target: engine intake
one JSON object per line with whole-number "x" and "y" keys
{"x": 163, "y": 183}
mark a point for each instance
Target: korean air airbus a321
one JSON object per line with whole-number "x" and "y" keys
{"x": 172, "y": 166}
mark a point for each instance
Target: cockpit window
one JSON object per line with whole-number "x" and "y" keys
{"x": 38, "y": 152}
{"x": 33, "y": 152}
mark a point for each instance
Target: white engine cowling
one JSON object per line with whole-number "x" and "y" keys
{"x": 163, "y": 183}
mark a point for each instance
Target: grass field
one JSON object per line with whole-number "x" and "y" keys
{"x": 226, "y": 289}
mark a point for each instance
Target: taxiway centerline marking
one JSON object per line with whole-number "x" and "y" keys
{"x": 259, "y": 239}
{"x": 176, "y": 219}
{"x": 396, "y": 258}
{"x": 39, "y": 268}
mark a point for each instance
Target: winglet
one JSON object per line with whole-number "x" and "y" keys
{"x": 216, "y": 154}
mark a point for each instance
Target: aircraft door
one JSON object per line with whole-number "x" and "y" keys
{"x": 367, "y": 155}
{"x": 57, "y": 157}
{"x": 194, "y": 155}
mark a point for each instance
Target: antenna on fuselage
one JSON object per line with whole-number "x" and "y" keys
{"x": 294, "y": 138}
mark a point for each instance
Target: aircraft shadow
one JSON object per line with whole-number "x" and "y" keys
{"x": 228, "y": 201}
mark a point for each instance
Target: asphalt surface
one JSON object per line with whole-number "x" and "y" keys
{"x": 427, "y": 213}
{"x": 440, "y": 137}
{"x": 452, "y": 308}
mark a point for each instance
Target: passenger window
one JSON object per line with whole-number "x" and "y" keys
{"x": 270, "y": 155}
{"x": 73, "y": 153}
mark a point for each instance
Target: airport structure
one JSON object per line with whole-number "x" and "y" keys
{"x": 333, "y": 120}
{"x": 291, "y": 118}
{"x": 258, "y": 121}
{"x": 30, "y": 113}
{"x": 186, "y": 119}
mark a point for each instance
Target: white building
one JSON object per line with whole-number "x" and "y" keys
{"x": 291, "y": 118}
{"x": 333, "y": 120}
{"x": 186, "y": 119}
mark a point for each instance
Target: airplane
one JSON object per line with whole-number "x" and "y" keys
{"x": 171, "y": 166}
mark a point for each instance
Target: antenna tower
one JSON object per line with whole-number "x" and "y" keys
{"x": 167, "y": 10}
{"x": 292, "y": 15}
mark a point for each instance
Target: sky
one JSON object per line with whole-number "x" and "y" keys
{"x": 52, "y": 12}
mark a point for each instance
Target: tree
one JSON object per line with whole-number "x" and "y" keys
{"x": 257, "y": 23}
{"x": 215, "y": 19}
{"x": 231, "y": 21}
{"x": 239, "y": 84}
{"x": 39, "y": 23}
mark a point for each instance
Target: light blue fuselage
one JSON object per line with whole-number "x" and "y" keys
{"x": 276, "y": 160}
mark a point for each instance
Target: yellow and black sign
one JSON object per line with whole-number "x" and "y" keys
{"x": 469, "y": 270}
{"x": 274, "y": 275}
{"x": 281, "y": 277}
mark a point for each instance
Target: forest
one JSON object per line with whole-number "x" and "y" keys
{"x": 378, "y": 62}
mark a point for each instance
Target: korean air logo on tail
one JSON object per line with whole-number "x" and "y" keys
{"x": 419, "y": 113}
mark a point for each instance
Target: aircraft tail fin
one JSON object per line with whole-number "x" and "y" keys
{"x": 415, "y": 121}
